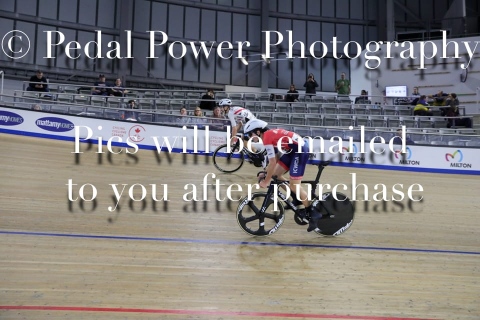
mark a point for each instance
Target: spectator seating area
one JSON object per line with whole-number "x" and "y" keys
{"x": 322, "y": 116}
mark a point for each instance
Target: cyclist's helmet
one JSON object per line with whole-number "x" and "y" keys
{"x": 254, "y": 125}
{"x": 225, "y": 103}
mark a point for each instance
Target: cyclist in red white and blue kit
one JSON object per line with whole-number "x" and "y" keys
{"x": 294, "y": 157}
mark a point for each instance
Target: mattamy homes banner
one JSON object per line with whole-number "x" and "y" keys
{"x": 187, "y": 139}
{"x": 204, "y": 141}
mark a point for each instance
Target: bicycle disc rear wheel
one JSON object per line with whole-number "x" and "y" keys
{"x": 341, "y": 214}
{"x": 228, "y": 162}
{"x": 253, "y": 222}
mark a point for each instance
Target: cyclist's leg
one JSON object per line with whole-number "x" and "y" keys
{"x": 298, "y": 162}
{"x": 295, "y": 163}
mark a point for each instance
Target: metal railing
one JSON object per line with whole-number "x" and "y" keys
{"x": 172, "y": 117}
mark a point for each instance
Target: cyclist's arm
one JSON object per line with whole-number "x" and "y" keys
{"x": 272, "y": 161}
{"x": 233, "y": 123}
{"x": 235, "y": 129}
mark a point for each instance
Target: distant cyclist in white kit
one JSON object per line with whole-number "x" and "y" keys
{"x": 238, "y": 117}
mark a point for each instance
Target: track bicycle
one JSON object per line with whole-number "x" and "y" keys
{"x": 231, "y": 159}
{"x": 257, "y": 216}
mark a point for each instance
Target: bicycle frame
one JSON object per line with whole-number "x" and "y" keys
{"x": 290, "y": 205}
{"x": 236, "y": 147}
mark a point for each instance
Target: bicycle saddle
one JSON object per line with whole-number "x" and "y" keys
{"x": 325, "y": 163}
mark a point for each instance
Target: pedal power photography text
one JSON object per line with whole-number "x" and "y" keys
{"x": 58, "y": 45}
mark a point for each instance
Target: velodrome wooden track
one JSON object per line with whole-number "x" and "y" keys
{"x": 59, "y": 262}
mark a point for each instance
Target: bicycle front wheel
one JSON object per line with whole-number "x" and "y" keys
{"x": 253, "y": 222}
{"x": 228, "y": 161}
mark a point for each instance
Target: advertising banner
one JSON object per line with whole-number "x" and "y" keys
{"x": 364, "y": 154}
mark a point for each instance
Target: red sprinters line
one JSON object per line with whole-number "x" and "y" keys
{"x": 205, "y": 312}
